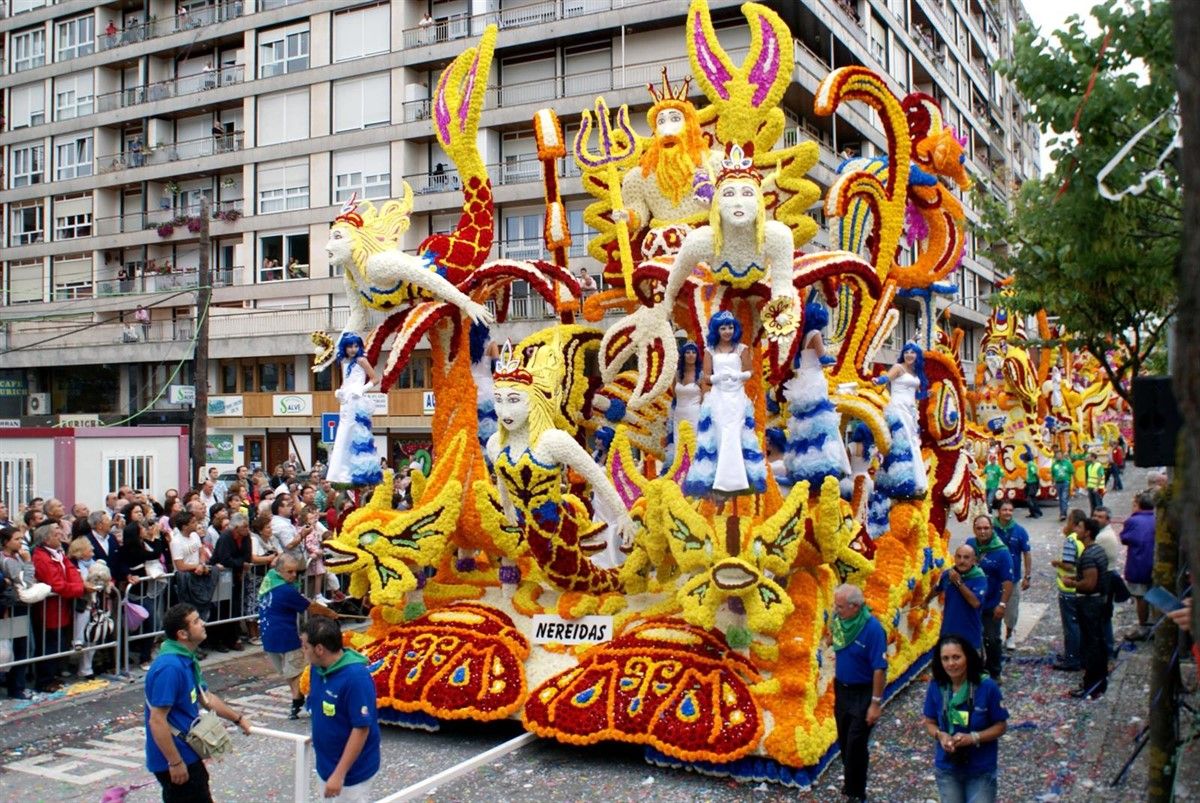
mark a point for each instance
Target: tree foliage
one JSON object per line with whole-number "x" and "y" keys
{"x": 1104, "y": 268}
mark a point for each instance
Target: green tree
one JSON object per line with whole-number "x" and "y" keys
{"x": 1105, "y": 268}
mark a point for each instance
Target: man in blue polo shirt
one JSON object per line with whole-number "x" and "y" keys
{"x": 964, "y": 585}
{"x": 341, "y": 701}
{"x": 175, "y": 690}
{"x": 279, "y": 603}
{"x": 1016, "y": 538}
{"x": 996, "y": 562}
{"x": 860, "y": 671}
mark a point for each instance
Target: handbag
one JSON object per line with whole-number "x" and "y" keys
{"x": 100, "y": 626}
{"x": 134, "y": 616}
{"x": 1117, "y": 590}
{"x": 206, "y": 735}
{"x": 154, "y": 569}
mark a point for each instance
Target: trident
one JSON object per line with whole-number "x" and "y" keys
{"x": 612, "y": 154}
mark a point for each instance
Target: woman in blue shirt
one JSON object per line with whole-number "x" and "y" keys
{"x": 964, "y": 713}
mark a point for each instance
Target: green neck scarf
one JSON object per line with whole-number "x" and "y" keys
{"x": 173, "y": 647}
{"x": 975, "y": 572}
{"x": 992, "y": 545}
{"x": 951, "y": 702}
{"x": 846, "y": 630}
{"x": 349, "y": 656}
{"x": 273, "y": 580}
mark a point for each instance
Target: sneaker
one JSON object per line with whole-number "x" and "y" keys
{"x": 24, "y": 694}
{"x": 1009, "y": 644}
{"x": 145, "y": 666}
{"x": 88, "y": 676}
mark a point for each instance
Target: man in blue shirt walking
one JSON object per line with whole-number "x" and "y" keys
{"x": 175, "y": 690}
{"x": 1016, "y": 538}
{"x": 996, "y": 562}
{"x": 964, "y": 585}
{"x": 279, "y": 603}
{"x": 860, "y": 671}
{"x": 345, "y": 726}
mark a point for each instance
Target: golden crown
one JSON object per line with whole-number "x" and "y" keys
{"x": 669, "y": 92}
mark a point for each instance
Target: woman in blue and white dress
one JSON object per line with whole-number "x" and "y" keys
{"x": 729, "y": 458}
{"x": 902, "y": 475}
{"x": 815, "y": 448}
{"x": 353, "y": 461}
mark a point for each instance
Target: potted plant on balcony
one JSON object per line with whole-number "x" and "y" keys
{"x": 166, "y": 229}
{"x": 193, "y": 225}
{"x": 230, "y": 215}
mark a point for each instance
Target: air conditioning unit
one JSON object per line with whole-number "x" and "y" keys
{"x": 37, "y": 404}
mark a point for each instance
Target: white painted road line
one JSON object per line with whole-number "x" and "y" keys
{"x": 429, "y": 784}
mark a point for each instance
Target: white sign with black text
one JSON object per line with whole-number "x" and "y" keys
{"x": 549, "y": 629}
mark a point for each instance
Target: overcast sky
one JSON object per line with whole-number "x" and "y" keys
{"x": 1049, "y": 16}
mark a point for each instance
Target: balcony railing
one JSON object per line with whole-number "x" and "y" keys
{"x": 277, "y": 322}
{"x": 171, "y": 152}
{"x": 57, "y": 335}
{"x": 153, "y": 28}
{"x": 172, "y": 87}
{"x": 461, "y": 26}
{"x": 520, "y": 171}
{"x": 153, "y": 218}
{"x": 164, "y": 282}
{"x": 584, "y": 84}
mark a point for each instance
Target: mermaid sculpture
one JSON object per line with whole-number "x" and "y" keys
{"x": 903, "y": 472}
{"x": 353, "y": 461}
{"x": 729, "y": 459}
{"x": 530, "y": 453}
{"x": 815, "y": 449}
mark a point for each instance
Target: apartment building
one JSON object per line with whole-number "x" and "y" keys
{"x": 121, "y": 116}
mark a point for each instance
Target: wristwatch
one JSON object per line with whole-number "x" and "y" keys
{"x": 877, "y": 700}
{"x": 1002, "y": 605}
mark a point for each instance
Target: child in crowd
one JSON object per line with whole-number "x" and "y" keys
{"x": 314, "y": 549}
{"x": 96, "y": 579}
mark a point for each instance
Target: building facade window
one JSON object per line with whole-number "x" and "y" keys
{"x": 26, "y": 106}
{"x": 283, "y": 117}
{"x": 72, "y": 156}
{"x": 282, "y": 186}
{"x": 361, "y": 32}
{"x": 283, "y": 50}
{"x": 74, "y": 38}
{"x": 28, "y": 49}
{"x": 366, "y": 172}
{"x": 134, "y": 470}
{"x": 283, "y": 257}
{"x": 25, "y": 281}
{"x": 27, "y": 164}
{"x": 26, "y": 224}
{"x": 17, "y": 477}
{"x": 361, "y": 103}
{"x": 73, "y": 96}
{"x": 415, "y": 375}
{"x": 68, "y": 227}
{"x": 258, "y": 375}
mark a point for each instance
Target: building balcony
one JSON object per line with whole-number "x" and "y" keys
{"x": 170, "y": 88}
{"x": 164, "y": 282}
{"x": 154, "y": 28}
{"x": 171, "y": 152}
{"x": 462, "y": 26}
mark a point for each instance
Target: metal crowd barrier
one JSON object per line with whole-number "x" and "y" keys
{"x": 27, "y": 623}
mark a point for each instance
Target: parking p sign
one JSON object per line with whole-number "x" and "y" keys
{"x": 329, "y": 426}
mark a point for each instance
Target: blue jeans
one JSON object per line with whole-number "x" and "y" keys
{"x": 1064, "y": 497}
{"x": 1070, "y": 626}
{"x": 955, "y": 787}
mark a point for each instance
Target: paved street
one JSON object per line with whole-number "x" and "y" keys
{"x": 74, "y": 747}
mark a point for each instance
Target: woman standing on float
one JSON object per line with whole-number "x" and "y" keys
{"x": 729, "y": 458}
{"x": 903, "y": 471}
{"x": 685, "y": 404}
{"x": 353, "y": 460}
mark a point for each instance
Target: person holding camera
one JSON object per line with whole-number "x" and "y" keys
{"x": 965, "y": 715}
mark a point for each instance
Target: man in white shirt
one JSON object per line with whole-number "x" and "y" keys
{"x": 186, "y": 544}
{"x": 1110, "y": 542}
{"x": 208, "y": 495}
{"x": 218, "y": 487}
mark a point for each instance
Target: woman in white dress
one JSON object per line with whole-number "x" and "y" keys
{"x": 902, "y": 475}
{"x": 815, "y": 448}
{"x": 353, "y": 461}
{"x": 685, "y": 404}
{"x": 729, "y": 458}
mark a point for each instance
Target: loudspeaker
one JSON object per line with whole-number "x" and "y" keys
{"x": 1156, "y": 422}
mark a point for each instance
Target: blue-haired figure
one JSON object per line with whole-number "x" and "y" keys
{"x": 353, "y": 460}
{"x": 484, "y": 354}
{"x": 903, "y": 471}
{"x": 862, "y": 451}
{"x": 685, "y": 403}
{"x": 776, "y": 440}
{"x": 815, "y": 448}
{"x": 729, "y": 459}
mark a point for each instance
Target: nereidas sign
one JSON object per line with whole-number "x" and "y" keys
{"x": 549, "y": 629}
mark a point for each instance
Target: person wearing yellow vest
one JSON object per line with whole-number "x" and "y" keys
{"x": 1096, "y": 479}
{"x": 1065, "y": 567}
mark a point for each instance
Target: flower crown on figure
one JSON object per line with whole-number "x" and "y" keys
{"x": 349, "y": 213}
{"x": 738, "y": 165}
{"x": 508, "y": 367}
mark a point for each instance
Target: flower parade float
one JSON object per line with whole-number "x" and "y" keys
{"x": 702, "y": 585}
